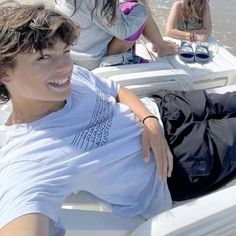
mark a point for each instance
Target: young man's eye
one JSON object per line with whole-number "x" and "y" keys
{"x": 43, "y": 57}
{"x": 67, "y": 51}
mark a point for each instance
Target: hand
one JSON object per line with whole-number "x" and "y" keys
{"x": 166, "y": 48}
{"x": 201, "y": 37}
{"x": 153, "y": 137}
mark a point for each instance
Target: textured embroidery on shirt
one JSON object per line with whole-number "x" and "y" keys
{"x": 97, "y": 132}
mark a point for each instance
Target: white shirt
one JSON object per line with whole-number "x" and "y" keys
{"x": 92, "y": 144}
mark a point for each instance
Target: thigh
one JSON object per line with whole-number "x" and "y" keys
{"x": 204, "y": 157}
{"x": 117, "y": 46}
{"x": 200, "y": 130}
{"x": 222, "y": 133}
{"x": 183, "y": 106}
{"x": 222, "y": 104}
{"x": 195, "y": 105}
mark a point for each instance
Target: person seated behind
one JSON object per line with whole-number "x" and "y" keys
{"x": 190, "y": 20}
{"x": 71, "y": 131}
{"x": 111, "y": 27}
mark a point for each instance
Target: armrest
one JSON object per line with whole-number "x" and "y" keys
{"x": 106, "y": 72}
{"x": 148, "y": 82}
{"x": 213, "y": 214}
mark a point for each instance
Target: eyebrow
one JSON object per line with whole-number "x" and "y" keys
{"x": 52, "y": 48}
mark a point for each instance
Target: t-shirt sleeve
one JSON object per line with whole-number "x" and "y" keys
{"x": 107, "y": 86}
{"x": 125, "y": 25}
{"x": 25, "y": 188}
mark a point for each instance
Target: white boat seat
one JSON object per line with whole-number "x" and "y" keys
{"x": 200, "y": 216}
{"x": 148, "y": 82}
{"x": 219, "y": 72}
{"x": 83, "y": 214}
{"x": 213, "y": 214}
{"x": 105, "y": 72}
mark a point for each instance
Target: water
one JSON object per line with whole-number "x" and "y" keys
{"x": 223, "y": 18}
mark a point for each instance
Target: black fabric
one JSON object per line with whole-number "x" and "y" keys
{"x": 201, "y": 131}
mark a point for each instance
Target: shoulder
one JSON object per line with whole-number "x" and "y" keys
{"x": 207, "y": 6}
{"x": 80, "y": 73}
{"x": 83, "y": 80}
{"x": 177, "y": 5}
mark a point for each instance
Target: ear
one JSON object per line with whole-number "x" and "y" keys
{"x": 4, "y": 78}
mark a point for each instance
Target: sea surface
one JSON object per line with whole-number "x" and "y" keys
{"x": 223, "y": 17}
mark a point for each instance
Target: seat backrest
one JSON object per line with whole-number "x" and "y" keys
{"x": 105, "y": 72}
{"x": 148, "y": 82}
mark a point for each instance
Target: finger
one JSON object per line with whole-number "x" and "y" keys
{"x": 158, "y": 154}
{"x": 145, "y": 147}
{"x": 170, "y": 161}
{"x": 164, "y": 163}
{"x": 164, "y": 168}
{"x": 159, "y": 169}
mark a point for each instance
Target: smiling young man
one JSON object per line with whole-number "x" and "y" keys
{"x": 63, "y": 127}
{"x": 70, "y": 131}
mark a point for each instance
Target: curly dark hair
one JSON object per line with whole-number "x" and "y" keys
{"x": 27, "y": 28}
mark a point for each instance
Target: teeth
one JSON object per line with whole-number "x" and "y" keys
{"x": 59, "y": 82}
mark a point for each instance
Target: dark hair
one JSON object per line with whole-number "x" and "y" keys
{"x": 27, "y": 28}
{"x": 108, "y": 9}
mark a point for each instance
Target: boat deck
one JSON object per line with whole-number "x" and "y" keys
{"x": 219, "y": 71}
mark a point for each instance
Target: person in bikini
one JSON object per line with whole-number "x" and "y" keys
{"x": 111, "y": 28}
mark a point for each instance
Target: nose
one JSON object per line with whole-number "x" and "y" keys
{"x": 64, "y": 64}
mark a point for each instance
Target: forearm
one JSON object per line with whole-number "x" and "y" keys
{"x": 201, "y": 31}
{"x": 152, "y": 135}
{"x": 128, "y": 98}
{"x": 179, "y": 34}
{"x": 151, "y": 32}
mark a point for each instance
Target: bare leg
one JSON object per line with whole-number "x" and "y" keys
{"x": 117, "y": 46}
{"x": 152, "y": 33}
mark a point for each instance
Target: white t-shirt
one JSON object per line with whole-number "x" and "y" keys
{"x": 95, "y": 33}
{"x": 92, "y": 144}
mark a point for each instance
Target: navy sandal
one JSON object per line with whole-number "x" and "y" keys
{"x": 202, "y": 54}
{"x": 186, "y": 52}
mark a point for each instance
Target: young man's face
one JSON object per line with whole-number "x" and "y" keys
{"x": 42, "y": 76}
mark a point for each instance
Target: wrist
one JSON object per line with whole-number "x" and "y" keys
{"x": 189, "y": 36}
{"x": 149, "y": 117}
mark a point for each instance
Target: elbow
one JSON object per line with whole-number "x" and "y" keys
{"x": 168, "y": 32}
